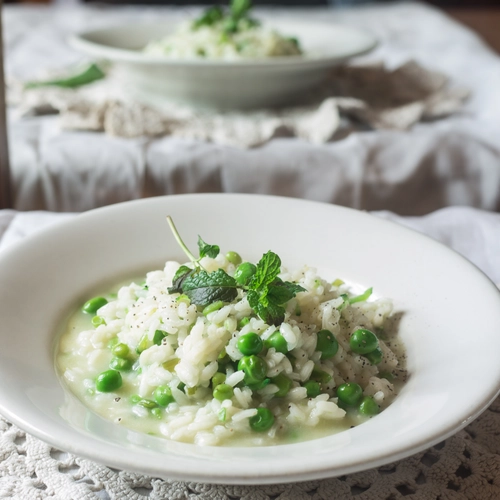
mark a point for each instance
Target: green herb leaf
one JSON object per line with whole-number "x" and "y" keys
{"x": 281, "y": 292}
{"x": 240, "y": 8}
{"x": 253, "y": 299}
{"x": 204, "y": 288}
{"x": 207, "y": 250}
{"x": 267, "y": 293}
{"x": 180, "y": 276}
{"x": 209, "y": 17}
{"x": 361, "y": 298}
{"x": 268, "y": 268}
{"x": 272, "y": 314}
{"x": 344, "y": 304}
{"x": 84, "y": 76}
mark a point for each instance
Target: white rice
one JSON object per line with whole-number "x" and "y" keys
{"x": 210, "y": 42}
{"x": 188, "y": 358}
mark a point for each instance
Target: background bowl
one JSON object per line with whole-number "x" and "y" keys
{"x": 226, "y": 84}
{"x": 450, "y": 323}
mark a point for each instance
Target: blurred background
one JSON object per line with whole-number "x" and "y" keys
{"x": 483, "y": 16}
{"x": 412, "y": 126}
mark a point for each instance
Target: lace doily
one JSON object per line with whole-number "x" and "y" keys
{"x": 464, "y": 467}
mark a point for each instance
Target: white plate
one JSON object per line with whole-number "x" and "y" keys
{"x": 450, "y": 327}
{"x": 226, "y": 84}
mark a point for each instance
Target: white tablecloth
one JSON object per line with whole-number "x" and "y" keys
{"x": 446, "y": 162}
{"x": 464, "y": 467}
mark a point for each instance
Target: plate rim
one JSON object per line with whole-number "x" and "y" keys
{"x": 355, "y": 466}
{"x": 80, "y": 42}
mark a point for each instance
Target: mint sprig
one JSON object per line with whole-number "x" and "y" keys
{"x": 207, "y": 250}
{"x": 204, "y": 288}
{"x": 267, "y": 294}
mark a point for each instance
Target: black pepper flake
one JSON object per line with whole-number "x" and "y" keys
{"x": 117, "y": 399}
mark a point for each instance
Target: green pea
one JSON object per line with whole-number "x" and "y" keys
{"x": 363, "y": 341}
{"x": 374, "y": 357}
{"x": 98, "y": 321}
{"x": 250, "y": 343}
{"x": 327, "y": 344}
{"x": 387, "y": 375}
{"x": 93, "y": 305}
{"x": 120, "y": 364}
{"x": 259, "y": 385}
{"x": 320, "y": 376}
{"x": 350, "y": 393}
{"x": 234, "y": 258}
{"x": 223, "y": 359}
{"x": 159, "y": 336}
{"x": 114, "y": 341}
{"x": 157, "y": 412}
{"x": 255, "y": 369}
{"x": 263, "y": 421}
{"x": 313, "y": 389}
{"x": 277, "y": 341}
{"x": 134, "y": 399}
{"x": 222, "y": 392}
{"x": 213, "y": 307}
{"x": 244, "y": 273}
{"x": 368, "y": 407}
{"x": 243, "y": 322}
{"x": 218, "y": 378}
{"x": 163, "y": 395}
{"x": 143, "y": 344}
{"x": 108, "y": 381}
{"x": 284, "y": 385}
{"x": 121, "y": 350}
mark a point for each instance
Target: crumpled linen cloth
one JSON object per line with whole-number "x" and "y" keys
{"x": 377, "y": 97}
{"x": 434, "y": 164}
{"x": 464, "y": 467}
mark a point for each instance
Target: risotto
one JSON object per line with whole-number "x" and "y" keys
{"x": 220, "y": 351}
{"x": 229, "y": 35}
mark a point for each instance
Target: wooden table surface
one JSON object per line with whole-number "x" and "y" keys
{"x": 485, "y": 21}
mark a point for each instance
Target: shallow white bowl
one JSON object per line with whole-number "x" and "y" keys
{"x": 226, "y": 84}
{"x": 450, "y": 325}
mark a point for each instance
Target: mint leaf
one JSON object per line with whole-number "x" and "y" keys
{"x": 293, "y": 287}
{"x": 179, "y": 277}
{"x": 268, "y": 268}
{"x": 209, "y": 17}
{"x": 280, "y": 292}
{"x": 207, "y": 250}
{"x": 239, "y": 8}
{"x": 253, "y": 299}
{"x": 205, "y": 288}
{"x": 272, "y": 314}
{"x": 277, "y": 294}
{"x": 267, "y": 293}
